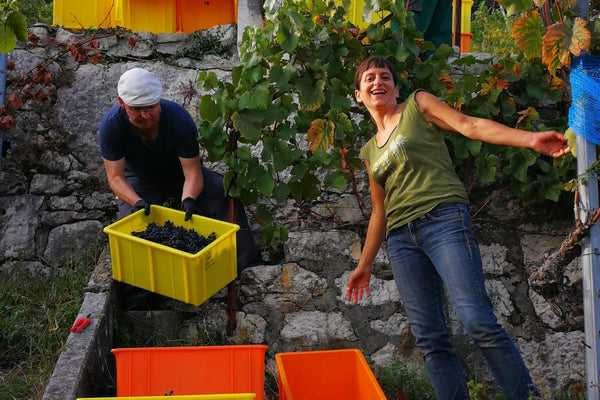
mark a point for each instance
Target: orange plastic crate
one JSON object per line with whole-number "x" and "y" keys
{"x": 154, "y": 371}
{"x": 193, "y": 15}
{"x": 326, "y": 375}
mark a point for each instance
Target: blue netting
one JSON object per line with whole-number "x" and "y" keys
{"x": 584, "y": 113}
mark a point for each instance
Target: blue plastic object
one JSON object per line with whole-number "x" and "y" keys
{"x": 584, "y": 113}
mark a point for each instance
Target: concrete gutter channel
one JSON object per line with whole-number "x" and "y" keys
{"x": 85, "y": 366}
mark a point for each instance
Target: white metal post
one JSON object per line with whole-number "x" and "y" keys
{"x": 590, "y": 248}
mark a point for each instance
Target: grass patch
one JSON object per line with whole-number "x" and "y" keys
{"x": 36, "y": 314}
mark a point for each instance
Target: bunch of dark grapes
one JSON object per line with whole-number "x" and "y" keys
{"x": 177, "y": 237}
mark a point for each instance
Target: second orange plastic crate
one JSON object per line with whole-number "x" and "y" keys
{"x": 193, "y": 15}
{"x": 154, "y": 371}
{"x": 325, "y": 375}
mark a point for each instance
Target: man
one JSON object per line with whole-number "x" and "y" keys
{"x": 434, "y": 19}
{"x": 150, "y": 151}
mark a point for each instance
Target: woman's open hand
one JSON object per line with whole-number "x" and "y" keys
{"x": 358, "y": 282}
{"x": 550, "y": 143}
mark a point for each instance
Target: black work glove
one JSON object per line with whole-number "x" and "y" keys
{"x": 190, "y": 207}
{"x": 141, "y": 204}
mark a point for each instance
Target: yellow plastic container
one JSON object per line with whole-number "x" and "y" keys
{"x": 156, "y": 16}
{"x": 193, "y": 15}
{"x": 465, "y": 24}
{"x": 191, "y": 278}
{"x": 355, "y": 14}
{"x": 237, "y": 396}
{"x": 77, "y": 14}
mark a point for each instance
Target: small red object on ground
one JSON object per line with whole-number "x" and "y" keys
{"x": 79, "y": 324}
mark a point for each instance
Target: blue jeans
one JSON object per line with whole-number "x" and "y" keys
{"x": 436, "y": 250}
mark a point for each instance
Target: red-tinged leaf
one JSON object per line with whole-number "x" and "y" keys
{"x": 96, "y": 58}
{"x": 529, "y": 31}
{"x": 448, "y": 82}
{"x": 10, "y": 65}
{"x": 48, "y": 79}
{"x": 320, "y": 134}
{"x": 41, "y": 96}
{"x": 526, "y": 113}
{"x": 494, "y": 83}
{"x": 32, "y": 38}
{"x": 27, "y": 94}
{"x": 94, "y": 43}
{"x": 555, "y": 47}
{"x": 581, "y": 37}
{"x": 344, "y": 161}
{"x": 132, "y": 41}
{"x": 556, "y": 83}
{"x": 516, "y": 6}
{"x": 7, "y": 122}
{"x": 14, "y": 101}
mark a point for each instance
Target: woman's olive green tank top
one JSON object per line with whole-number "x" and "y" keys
{"x": 414, "y": 168}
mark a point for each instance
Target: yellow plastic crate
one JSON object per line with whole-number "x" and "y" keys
{"x": 237, "y": 396}
{"x": 156, "y": 16}
{"x": 191, "y": 278}
{"x": 79, "y": 14}
{"x": 355, "y": 14}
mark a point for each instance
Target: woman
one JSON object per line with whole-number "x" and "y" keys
{"x": 420, "y": 206}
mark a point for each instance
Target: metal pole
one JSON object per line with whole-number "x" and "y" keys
{"x": 588, "y": 191}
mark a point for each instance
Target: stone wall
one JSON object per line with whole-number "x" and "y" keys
{"x": 54, "y": 201}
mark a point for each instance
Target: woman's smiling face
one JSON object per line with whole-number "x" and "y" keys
{"x": 377, "y": 87}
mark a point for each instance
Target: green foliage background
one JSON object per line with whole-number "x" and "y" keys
{"x": 291, "y": 96}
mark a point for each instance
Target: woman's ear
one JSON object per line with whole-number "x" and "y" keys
{"x": 357, "y": 96}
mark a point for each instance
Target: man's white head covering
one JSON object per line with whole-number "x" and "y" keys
{"x": 139, "y": 88}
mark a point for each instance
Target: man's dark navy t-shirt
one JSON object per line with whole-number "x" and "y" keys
{"x": 154, "y": 161}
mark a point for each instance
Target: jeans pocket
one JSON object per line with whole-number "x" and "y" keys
{"x": 446, "y": 212}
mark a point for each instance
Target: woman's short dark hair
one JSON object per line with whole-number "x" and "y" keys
{"x": 370, "y": 62}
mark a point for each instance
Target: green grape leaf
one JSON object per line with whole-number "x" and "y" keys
{"x": 18, "y": 23}
{"x": 571, "y": 141}
{"x": 310, "y": 94}
{"x": 8, "y": 40}
{"x": 336, "y": 179}
{"x": 208, "y": 109}
{"x": 280, "y": 192}
{"x": 321, "y": 157}
{"x": 287, "y": 37}
{"x": 261, "y": 180}
{"x": 248, "y": 123}
{"x": 520, "y": 161}
{"x": 339, "y": 95}
{"x": 257, "y": 98}
{"x": 486, "y": 168}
